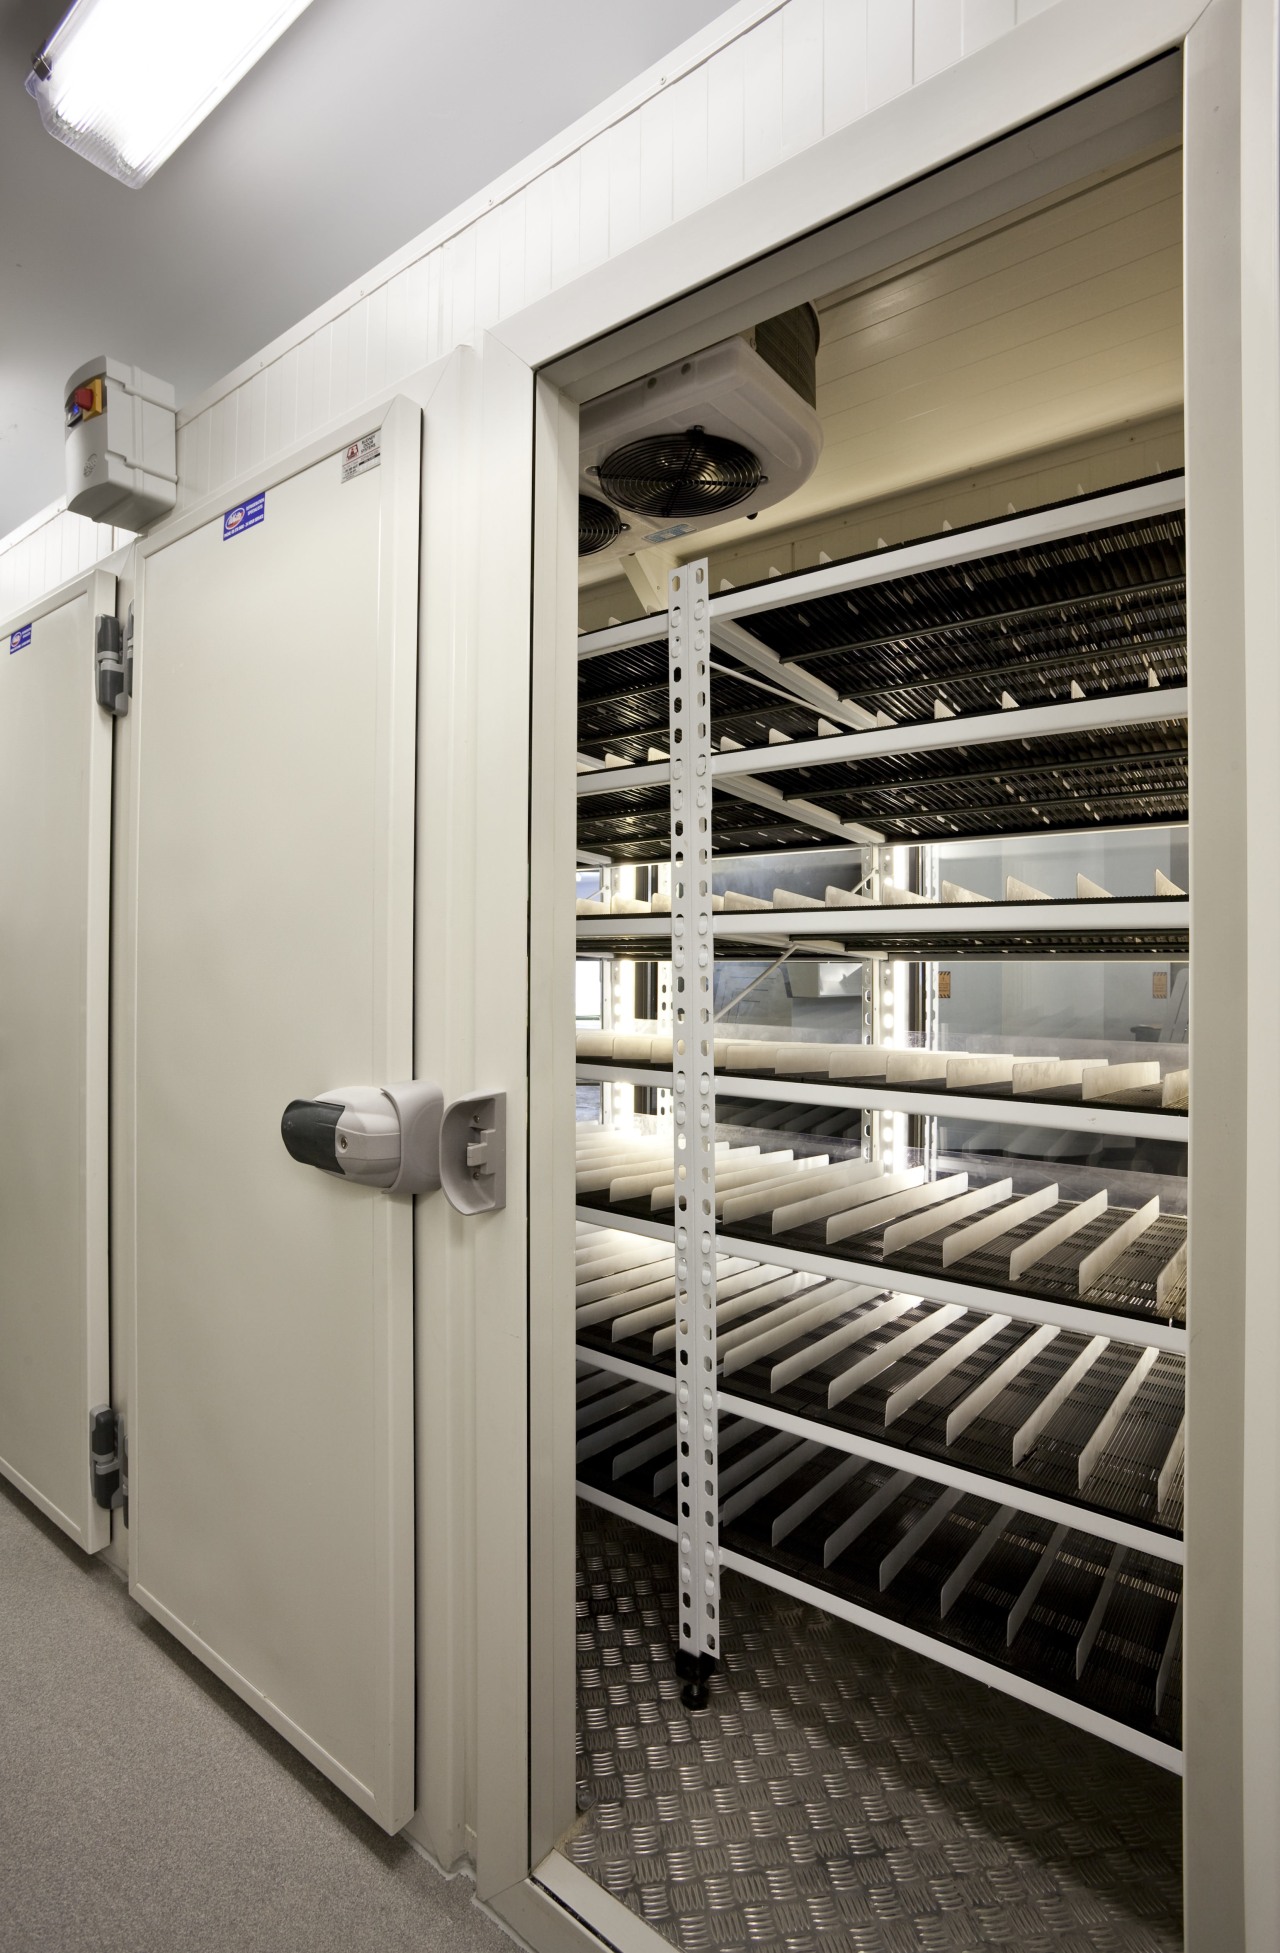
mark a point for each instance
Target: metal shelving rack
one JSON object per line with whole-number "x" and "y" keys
{"x": 1075, "y": 723}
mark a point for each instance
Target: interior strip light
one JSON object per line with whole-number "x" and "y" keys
{"x": 123, "y": 82}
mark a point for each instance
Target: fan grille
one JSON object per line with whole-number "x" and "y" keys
{"x": 598, "y": 525}
{"x": 687, "y": 474}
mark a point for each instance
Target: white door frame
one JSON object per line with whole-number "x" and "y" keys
{"x": 1232, "y": 1735}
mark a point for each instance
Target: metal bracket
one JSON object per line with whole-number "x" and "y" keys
{"x": 473, "y": 1153}
{"x": 113, "y": 664}
{"x": 109, "y": 1460}
{"x": 694, "y": 1107}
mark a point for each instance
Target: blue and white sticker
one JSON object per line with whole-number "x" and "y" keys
{"x": 19, "y": 640}
{"x": 246, "y": 516}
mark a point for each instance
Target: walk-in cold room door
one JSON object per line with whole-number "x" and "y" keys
{"x": 271, "y": 1443}
{"x": 55, "y": 866}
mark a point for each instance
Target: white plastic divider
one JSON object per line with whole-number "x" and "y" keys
{"x": 939, "y": 1288}
{"x": 931, "y": 1288}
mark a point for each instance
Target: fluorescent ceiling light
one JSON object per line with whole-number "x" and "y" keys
{"x": 123, "y": 82}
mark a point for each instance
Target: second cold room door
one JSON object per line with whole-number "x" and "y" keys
{"x": 55, "y": 882}
{"x": 271, "y": 1442}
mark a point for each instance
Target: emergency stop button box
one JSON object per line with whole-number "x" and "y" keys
{"x": 121, "y": 444}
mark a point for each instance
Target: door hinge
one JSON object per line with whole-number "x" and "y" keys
{"x": 109, "y": 1460}
{"x": 113, "y": 663}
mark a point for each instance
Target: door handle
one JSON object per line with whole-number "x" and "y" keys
{"x": 402, "y": 1139}
{"x": 375, "y": 1135}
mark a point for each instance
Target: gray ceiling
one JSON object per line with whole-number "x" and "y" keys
{"x": 367, "y": 121}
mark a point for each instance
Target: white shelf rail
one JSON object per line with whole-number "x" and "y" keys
{"x": 1115, "y": 918}
{"x": 1037, "y": 1113}
{"x": 1110, "y": 712}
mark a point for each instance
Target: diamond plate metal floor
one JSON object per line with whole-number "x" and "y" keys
{"x": 843, "y": 1792}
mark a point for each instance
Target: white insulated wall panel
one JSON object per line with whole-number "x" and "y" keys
{"x": 790, "y": 76}
{"x": 939, "y": 36}
{"x": 891, "y": 50}
{"x": 983, "y": 21}
{"x": 50, "y": 550}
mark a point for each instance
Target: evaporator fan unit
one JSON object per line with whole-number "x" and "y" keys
{"x": 598, "y": 525}
{"x": 724, "y": 433}
{"x": 675, "y": 475}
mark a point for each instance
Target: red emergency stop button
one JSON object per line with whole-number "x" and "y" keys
{"x": 85, "y": 402}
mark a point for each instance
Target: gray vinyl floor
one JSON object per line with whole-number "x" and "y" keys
{"x": 144, "y": 1809}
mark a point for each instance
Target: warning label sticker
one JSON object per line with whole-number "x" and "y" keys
{"x": 362, "y": 455}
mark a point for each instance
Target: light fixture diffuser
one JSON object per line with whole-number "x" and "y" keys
{"x": 123, "y": 82}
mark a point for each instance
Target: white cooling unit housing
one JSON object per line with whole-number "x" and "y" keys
{"x": 707, "y": 439}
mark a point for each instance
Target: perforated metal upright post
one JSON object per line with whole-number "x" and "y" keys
{"x": 694, "y": 1109}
